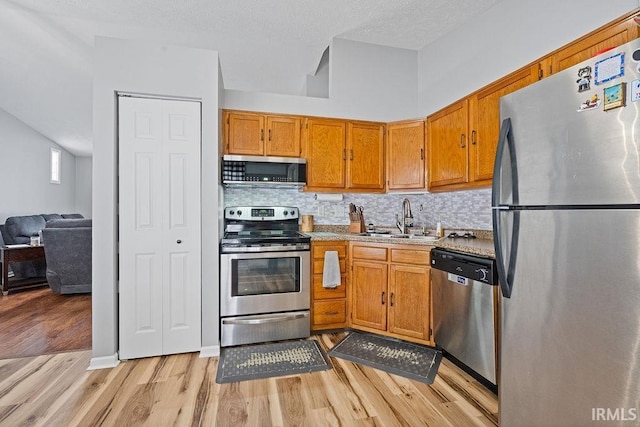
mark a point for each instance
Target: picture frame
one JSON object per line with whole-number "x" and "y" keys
{"x": 615, "y": 96}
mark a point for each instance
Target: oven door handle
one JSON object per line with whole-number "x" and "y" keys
{"x": 263, "y": 320}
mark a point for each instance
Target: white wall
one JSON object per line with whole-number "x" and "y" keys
{"x": 366, "y": 82}
{"x": 84, "y": 181}
{"x": 24, "y": 172}
{"x": 503, "y": 39}
{"x": 131, "y": 66}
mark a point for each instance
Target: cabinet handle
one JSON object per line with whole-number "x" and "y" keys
{"x": 473, "y": 137}
{"x": 344, "y": 154}
{"x": 330, "y": 313}
{"x": 351, "y": 154}
{"x": 391, "y": 299}
{"x": 261, "y": 134}
{"x": 269, "y": 134}
{"x": 383, "y": 298}
{"x": 462, "y": 139}
{"x": 422, "y": 154}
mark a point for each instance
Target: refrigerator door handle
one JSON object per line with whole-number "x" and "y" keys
{"x": 505, "y": 274}
{"x": 505, "y": 142}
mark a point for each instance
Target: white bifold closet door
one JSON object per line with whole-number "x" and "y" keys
{"x": 159, "y": 227}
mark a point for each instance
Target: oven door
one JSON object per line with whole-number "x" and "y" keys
{"x": 264, "y": 282}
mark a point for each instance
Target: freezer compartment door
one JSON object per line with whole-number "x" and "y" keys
{"x": 569, "y": 156}
{"x": 570, "y": 333}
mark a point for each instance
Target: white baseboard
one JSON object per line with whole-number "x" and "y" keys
{"x": 210, "y": 351}
{"x": 104, "y": 362}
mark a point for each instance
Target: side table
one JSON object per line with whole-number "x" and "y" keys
{"x": 19, "y": 253}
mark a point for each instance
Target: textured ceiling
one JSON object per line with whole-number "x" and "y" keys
{"x": 264, "y": 45}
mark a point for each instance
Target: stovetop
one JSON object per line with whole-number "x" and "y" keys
{"x": 466, "y": 235}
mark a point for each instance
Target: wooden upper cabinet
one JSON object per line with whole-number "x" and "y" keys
{"x": 448, "y": 145}
{"x": 365, "y": 156}
{"x": 245, "y": 133}
{"x": 592, "y": 44}
{"x": 260, "y": 134}
{"x": 405, "y": 155}
{"x": 326, "y": 153}
{"x": 283, "y": 136}
{"x": 484, "y": 122}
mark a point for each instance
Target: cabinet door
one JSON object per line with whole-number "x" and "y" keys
{"x": 369, "y": 297}
{"x": 447, "y": 142}
{"x": 326, "y": 153}
{"x": 405, "y": 148}
{"x": 484, "y": 113}
{"x": 409, "y": 302}
{"x": 365, "y": 157}
{"x": 245, "y": 134}
{"x": 589, "y": 46}
{"x": 283, "y": 136}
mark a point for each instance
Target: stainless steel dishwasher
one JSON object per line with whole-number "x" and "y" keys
{"x": 464, "y": 309}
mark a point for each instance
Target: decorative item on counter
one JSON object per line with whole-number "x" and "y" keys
{"x": 439, "y": 230}
{"x": 307, "y": 224}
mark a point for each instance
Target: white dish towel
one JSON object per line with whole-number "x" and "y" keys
{"x": 331, "y": 271}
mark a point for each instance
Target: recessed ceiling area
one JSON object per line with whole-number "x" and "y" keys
{"x": 264, "y": 46}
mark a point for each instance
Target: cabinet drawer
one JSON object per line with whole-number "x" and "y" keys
{"x": 319, "y": 292}
{"x": 370, "y": 253}
{"x": 319, "y": 250}
{"x": 329, "y": 312}
{"x": 410, "y": 256}
{"x": 318, "y": 266}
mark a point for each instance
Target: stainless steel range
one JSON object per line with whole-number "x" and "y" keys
{"x": 264, "y": 276}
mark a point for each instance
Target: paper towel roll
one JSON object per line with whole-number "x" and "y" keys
{"x": 329, "y": 197}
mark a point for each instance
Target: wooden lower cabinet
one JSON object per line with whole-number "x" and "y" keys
{"x": 328, "y": 306}
{"x": 390, "y": 290}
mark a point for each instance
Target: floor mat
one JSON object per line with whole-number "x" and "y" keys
{"x": 249, "y": 362}
{"x": 409, "y": 360}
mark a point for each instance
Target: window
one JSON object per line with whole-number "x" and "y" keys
{"x": 55, "y": 165}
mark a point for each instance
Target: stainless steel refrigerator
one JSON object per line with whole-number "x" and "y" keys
{"x": 566, "y": 219}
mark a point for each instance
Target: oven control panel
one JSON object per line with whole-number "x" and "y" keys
{"x": 261, "y": 213}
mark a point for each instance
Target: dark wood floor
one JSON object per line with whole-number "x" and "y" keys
{"x": 38, "y": 321}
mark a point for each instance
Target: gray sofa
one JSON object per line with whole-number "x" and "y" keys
{"x": 67, "y": 249}
{"x": 19, "y": 230}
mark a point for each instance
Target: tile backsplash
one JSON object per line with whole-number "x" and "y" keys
{"x": 460, "y": 209}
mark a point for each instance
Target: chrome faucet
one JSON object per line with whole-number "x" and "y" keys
{"x": 407, "y": 217}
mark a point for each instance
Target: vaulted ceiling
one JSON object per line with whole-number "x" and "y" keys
{"x": 264, "y": 45}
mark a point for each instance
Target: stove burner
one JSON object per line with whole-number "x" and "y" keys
{"x": 466, "y": 235}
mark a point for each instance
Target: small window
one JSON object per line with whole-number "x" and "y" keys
{"x": 55, "y": 165}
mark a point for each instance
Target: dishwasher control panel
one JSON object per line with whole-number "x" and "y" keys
{"x": 472, "y": 267}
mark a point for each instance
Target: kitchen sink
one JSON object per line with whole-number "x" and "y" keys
{"x": 400, "y": 236}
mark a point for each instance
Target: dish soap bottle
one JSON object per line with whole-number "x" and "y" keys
{"x": 439, "y": 232}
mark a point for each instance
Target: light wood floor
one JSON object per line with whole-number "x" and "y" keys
{"x": 180, "y": 390}
{"x": 39, "y": 321}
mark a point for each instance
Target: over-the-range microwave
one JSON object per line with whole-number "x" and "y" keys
{"x": 263, "y": 170}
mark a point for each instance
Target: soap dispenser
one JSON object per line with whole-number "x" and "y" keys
{"x": 439, "y": 231}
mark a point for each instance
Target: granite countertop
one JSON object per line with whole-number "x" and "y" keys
{"x": 482, "y": 245}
